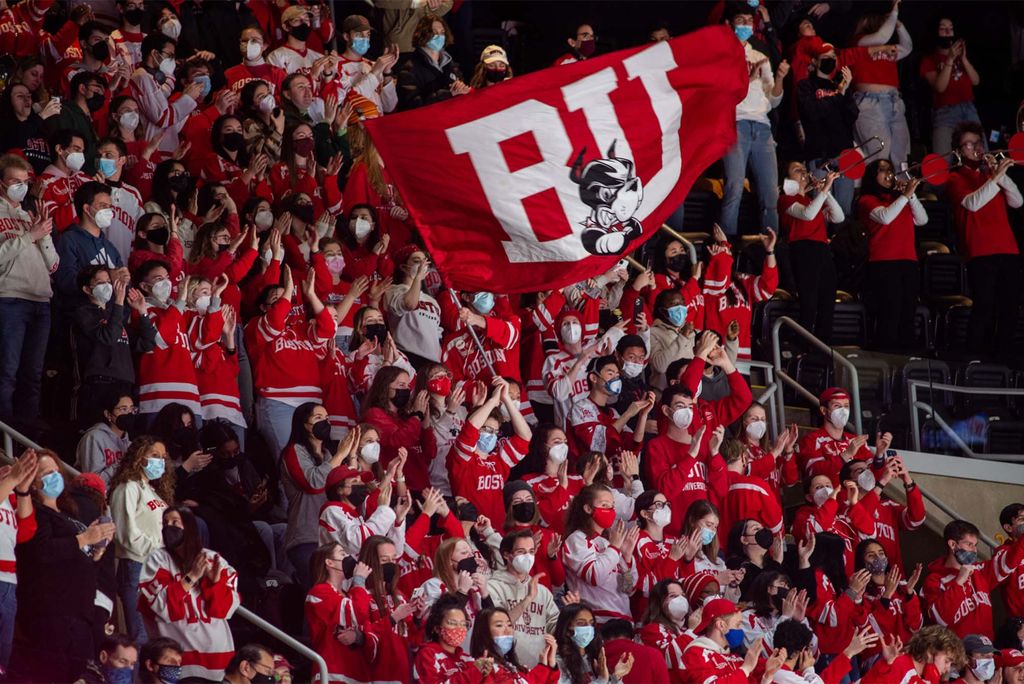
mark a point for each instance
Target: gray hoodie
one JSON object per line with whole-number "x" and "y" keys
{"x": 100, "y": 450}
{"x": 538, "y": 619}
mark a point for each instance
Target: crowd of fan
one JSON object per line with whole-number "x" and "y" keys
{"x": 201, "y": 245}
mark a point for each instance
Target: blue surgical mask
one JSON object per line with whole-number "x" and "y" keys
{"x": 169, "y": 674}
{"x": 118, "y": 675}
{"x": 483, "y": 302}
{"x": 753, "y": 3}
{"x": 734, "y": 637}
{"x": 436, "y": 43}
{"x": 53, "y": 485}
{"x": 676, "y": 314}
{"x": 504, "y": 644}
{"x": 614, "y": 386}
{"x": 743, "y": 32}
{"x": 360, "y": 45}
{"x": 487, "y": 442}
{"x": 984, "y": 669}
{"x": 582, "y": 636}
{"x": 108, "y": 167}
{"x": 205, "y": 80}
{"x": 964, "y": 557}
{"x": 154, "y": 469}
{"x": 707, "y": 535}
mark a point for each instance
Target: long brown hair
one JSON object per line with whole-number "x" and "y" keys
{"x": 696, "y": 511}
{"x": 479, "y": 79}
{"x": 377, "y": 396}
{"x": 443, "y": 561}
{"x": 203, "y": 247}
{"x": 191, "y": 546}
{"x": 425, "y": 30}
{"x": 577, "y": 518}
{"x": 288, "y": 155}
{"x": 375, "y": 582}
{"x": 131, "y": 466}
{"x": 370, "y": 158}
{"x": 318, "y": 562}
{"x": 655, "y": 607}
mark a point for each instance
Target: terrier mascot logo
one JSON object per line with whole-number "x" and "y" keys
{"x": 612, "y": 190}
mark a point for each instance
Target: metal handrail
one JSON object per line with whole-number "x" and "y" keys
{"x": 916, "y": 405}
{"x": 690, "y": 247}
{"x": 836, "y": 356}
{"x": 942, "y": 506}
{"x": 773, "y": 393}
{"x": 10, "y": 435}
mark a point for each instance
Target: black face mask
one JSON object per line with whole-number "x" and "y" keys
{"x": 303, "y": 212}
{"x": 322, "y": 430}
{"x": 186, "y": 439}
{"x": 467, "y": 512}
{"x": 777, "y": 599}
{"x": 466, "y": 565}
{"x": 945, "y": 41}
{"x": 125, "y": 422}
{"x": 437, "y": 525}
{"x": 95, "y": 102}
{"x": 348, "y": 566}
{"x": 401, "y": 398}
{"x": 496, "y": 76}
{"x": 179, "y": 183}
{"x": 173, "y": 536}
{"x": 158, "y": 236}
{"x": 678, "y": 263}
{"x": 827, "y": 65}
{"x": 388, "y": 572}
{"x": 300, "y": 32}
{"x": 358, "y": 495}
{"x": 233, "y": 141}
{"x": 524, "y": 512}
{"x": 763, "y": 537}
{"x": 101, "y": 51}
{"x": 134, "y": 16}
{"x": 228, "y": 462}
{"x": 260, "y": 678}
{"x": 223, "y": 248}
{"x": 377, "y": 332}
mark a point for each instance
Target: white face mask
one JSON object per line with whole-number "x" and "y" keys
{"x": 203, "y": 304}
{"x": 362, "y": 228}
{"x": 523, "y": 563}
{"x": 632, "y": 369}
{"x": 682, "y": 417}
{"x": 161, "y": 290}
{"x": 370, "y": 452}
{"x": 171, "y": 29}
{"x": 984, "y": 669}
{"x": 790, "y": 187}
{"x": 17, "y": 192}
{"x": 253, "y": 50}
{"x": 839, "y": 417}
{"x": 756, "y": 429}
{"x": 75, "y": 161}
{"x": 129, "y": 120}
{"x": 268, "y": 255}
{"x": 103, "y": 292}
{"x": 103, "y": 218}
{"x": 662, "y": 516}
{"x": 866, "y": 481}
{"x": 571, "y": 332}
{"x": 267, "y": 104}
{"x": 167, "y": 66}
{"x": 558, "y": 453}
{"x": 678, "y": 607}
{"x": 822, "y": 495}
{"x": 264, "y": 219}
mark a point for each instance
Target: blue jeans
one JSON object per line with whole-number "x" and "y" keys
{"x": 8, "y": 609}
{"x": 842, "y": 188}
{"x": 945, "y": 119}
{"x": 274, "y": 421}
{"x": 24, "y": 329}
{"x": 754, "y": 143}
{"x": 883, "y": 116}
{"x": 128, "y": 572}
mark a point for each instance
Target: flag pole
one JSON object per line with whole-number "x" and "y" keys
{"x": 472, "y": 333}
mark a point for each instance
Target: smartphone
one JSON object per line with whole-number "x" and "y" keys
{"x": 210, "y": 450}
{"x": 993, "y": 136}
{"x": 638, "y": 308}
{"x": 103, "y": 520}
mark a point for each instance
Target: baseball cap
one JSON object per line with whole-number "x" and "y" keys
{"x": 978, "y": 643}
{"x": 1010, "y": 657}
{"x": 342, "y": 473}
{"x": 822, "y": 49}
{"x": 833, "y": 393}
{"x": 292, "y": 13}
{"x": 492, "y": 54}
{"x": 355, "y": 22}
{"x": 713, "y": 610}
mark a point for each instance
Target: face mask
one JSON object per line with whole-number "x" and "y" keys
{"x": 179, "y": 183}
{"x": 266, "y": 104}
{"x": 946, "y": 42}
{"x": 95, "y": 102}
{"x": 839, "y": 417}
{"x": 361, "y": 228}
{"x": 161, "y": 290}
{"x": 300, "y": 32}
{"x": 558, "y": 453}
{"x": 129, "y": 120}
{"x": 358, "y": 495}
{"x": 877, "y": 566}
{"x": 167, "y": 66}
{"x": 790, "y": 187}
{"x": 866, "y": 481}
{"x": 303, "y": 147}
{"x": 203, "y": 303}
{"x": 487, "y": 442}
{"x": 207, "y": 86}
{"x": 707, "y": 535}
{"x": 260, "y": 678}
{"x": 763, "y": 537}
{"x": 361, "y": 45}
{"x": 171, "y": 28}
{"x": 466, "y": 565}
{"x": 984, "y": 669}
{"x": 103, "y": 218}
{"x": 662, "y": 516}
{"x": 370, "y": 452}
{"x": 677, "y": 263}
{"x": 504, "y": 643}
{"x": 682, "y": 417}
{"x": 17, "y": 192}
{"x": 75, "y": 161}
{"x": 134, "y": 16}
{"x": 348, "y": 566}
{"x": 587, "y": 47}
{"x": 377, "y": 332}
{"x": 603, "y": 517}
{"x": 100, "y": 51}
{"x": 582, "y": 636}
{"x": 743, "y": 32}
{"x": 154, "y": 469}
{"x": 169, "y": 674}
{"x": 571, "y": 332}
{"x": 613, "y": 386}
{"x": 253, "y": 50}
{"x": 436, "y": 43}
{"x": 264, "y": 219}
{"x": 965, "y": 557}
{"x": 401, "y": 398}
{"x": 118, "y": 675}
{"x": 827, "y": 65}
{"x": 483, "y": 302}
{"x": 822, "y": 495}
{"x": 53, "y": 485}
{"x": 388, "y": 572}
{"x": 125, "y": 422}
{"x": 441, "y": 385}
{"x": 734, "y": 637}
{"x": 108, "y": 167}
{"x": 676, "y": 315}
{"x": 677, "y": 607}
{"x": 756, "y": 429}
{"x": 335, "y": 264}
{"x": 524, "y": 512}
{"x": 632, "y": 369}
{"x": 173, "y": 536}
{"x": 523, "y": 563}
{"x": 303, "y": 212}
{"x": 102, "y": 293}
{"x": 233, "y": 141}
{"x": 1018, "y": 530}
{"x": 495, "y": 76}
{"x": 322, "y": 430}
{"x": 453, "y": 636}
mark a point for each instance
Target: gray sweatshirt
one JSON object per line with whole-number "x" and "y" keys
{"x": 25, "y": 266}
{"x": 303, "y": 477}
{"x": 100, "y": 450}
{"x": 538, "y": 619}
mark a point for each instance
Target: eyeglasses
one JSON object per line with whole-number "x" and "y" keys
{"x": 455, "y": 623}
{"x": 488, "y": 431}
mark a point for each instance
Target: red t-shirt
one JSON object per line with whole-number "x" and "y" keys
{"x": 798, "y": 229}
{"x": 959, "y": 89}
{"x": 892, "y": 242}
{"x": 878, "y": 68}
{"x": 984, "y": 232}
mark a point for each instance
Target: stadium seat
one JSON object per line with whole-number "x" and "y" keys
{"x": 923, "y": 337}
{"x": 814, "y": 371}
{"x": 1005, "y": 437}
{"x": 983, "y": 375}
{"x": 766, "y": 314}
{"x": 939, "y": 227}
{"x": 942, "y": 276}
{"x": 934, "y": 370}
{"x": 875, "y": 378}
{"x": 849, "y": 325}
{"x": 952, "y": 329}
{"x": 700, "y": 210}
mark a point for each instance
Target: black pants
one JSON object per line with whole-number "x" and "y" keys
{"x": 995, "y": 289}
{"x": 815, "y": 274}
{"x": 892, "y": 288}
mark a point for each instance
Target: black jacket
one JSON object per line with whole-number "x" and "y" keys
{"x": 103, "y": 346}
{"x": 422, "y": 82}
{"x": 827, "y": 117}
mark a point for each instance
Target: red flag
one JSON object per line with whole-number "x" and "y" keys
{"x": 549, "y": 178}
